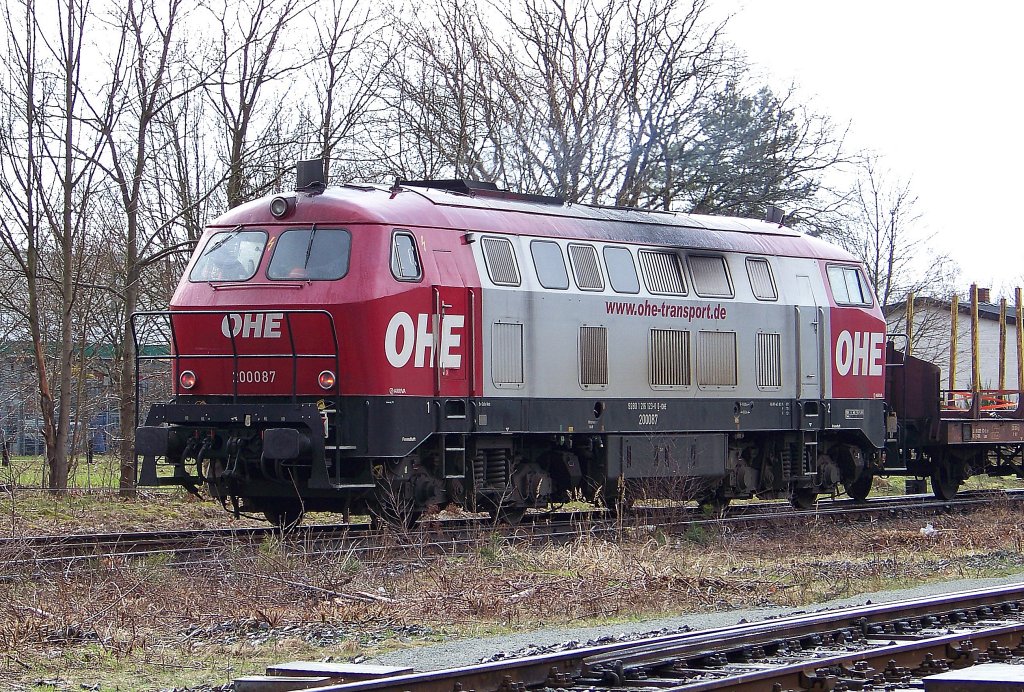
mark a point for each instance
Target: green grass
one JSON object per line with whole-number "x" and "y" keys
{"x": 30, "y": 472}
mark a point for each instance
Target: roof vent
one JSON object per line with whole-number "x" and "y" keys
{"x": 479, "y": 188}
{"x": 310, "y": 176}
{"x": 774, "y": 215}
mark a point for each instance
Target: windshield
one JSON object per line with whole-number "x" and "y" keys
{"x": 310, "y": 254}
{"x": 230, "y": 256}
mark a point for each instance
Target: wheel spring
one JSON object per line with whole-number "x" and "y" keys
{"x": 787, "y": 463}
{"x": 479, "y": 470}
{"x": 497, "y": 467}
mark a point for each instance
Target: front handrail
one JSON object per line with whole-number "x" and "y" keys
{"x": 174, "y": 356}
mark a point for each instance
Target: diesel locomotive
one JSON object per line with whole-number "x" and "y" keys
{"x": 388, "y": 349}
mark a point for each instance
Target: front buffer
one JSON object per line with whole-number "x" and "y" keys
{"x": 258, "y": 457}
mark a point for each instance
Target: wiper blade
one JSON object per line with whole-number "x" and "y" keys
{"x": 227, "y": 236}
{"x": 309, "y": 246}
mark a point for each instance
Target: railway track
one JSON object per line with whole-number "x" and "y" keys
{"x": 892, "y": 646}
{"x": 451, "y": 535}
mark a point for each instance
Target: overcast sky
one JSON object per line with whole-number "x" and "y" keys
{"x": 933, "y": 87}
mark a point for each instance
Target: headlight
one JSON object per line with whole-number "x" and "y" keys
{"x": 280, "y": 207}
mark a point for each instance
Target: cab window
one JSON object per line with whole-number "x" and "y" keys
{"x": 405, "y": 261}
{"x": 311, "y": 254}
{"x": 849, "y": 287}
{"x": 230, "y": 256}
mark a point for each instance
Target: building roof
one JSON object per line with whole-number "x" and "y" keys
{"x": 986, "y": 311}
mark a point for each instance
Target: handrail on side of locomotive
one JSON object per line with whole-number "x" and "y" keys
{"x": 890, "y": 337}
{"x": 175, "y": 355}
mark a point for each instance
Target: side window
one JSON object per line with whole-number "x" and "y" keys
{"x": 500, "y": 261}
{"x": 585, "y": 267}
{"x": 762, "y": 283}
{"x": 849, "y": 287}
{"x": 621, "y": 270}
{"x": 549, "y": 263}
{"x": 315, "y": 254}
{"x": 662, "y": 272}
{"x": 405, "y": 260}
{"x": 710, "y": 276}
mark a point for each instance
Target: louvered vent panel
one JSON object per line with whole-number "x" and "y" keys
{"x": 507, "y": 353}
{"x": 710, "y": 276}
{"x": 761, "y": 282}
{"x": 662, "y": 272}
{"x": 501, "y": 262}
{"x": 585, "y": 267}
{"x": 593, "y": 356}
{"x": 769, "y": 361}
{"x": 716, "y": 359}
{"x": 670, "y": 357}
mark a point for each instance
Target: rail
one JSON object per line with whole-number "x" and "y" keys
{"x": 885, "y": 646}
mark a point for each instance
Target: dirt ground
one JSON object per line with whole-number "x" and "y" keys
{"x": 166, "y": 623}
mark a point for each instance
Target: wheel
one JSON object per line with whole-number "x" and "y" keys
{"x": 803, "y": 498}
{"x": 944, "y": 483}
{"x": 284, "y": 517}
{"x": 860, "y": 488}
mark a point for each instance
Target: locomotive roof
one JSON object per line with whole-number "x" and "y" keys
{"x": 438, "y": 208}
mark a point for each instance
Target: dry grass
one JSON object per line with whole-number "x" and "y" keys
{"x": 154, "y": 624}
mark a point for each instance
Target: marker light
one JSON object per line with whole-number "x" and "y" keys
{"x": 187, "y": 379}
{"x": 326, "y": 380}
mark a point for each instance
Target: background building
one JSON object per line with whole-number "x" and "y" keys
{"x": 932, "y": 338}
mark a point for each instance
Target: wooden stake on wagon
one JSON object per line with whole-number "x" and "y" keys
{"x": 1002, "y": 343}
{"x": 975, "y": 351}
{"x": 1020, "y": 338}
{"x": 954, "y": 307}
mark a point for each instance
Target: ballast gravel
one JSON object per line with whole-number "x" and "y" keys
{"x": 530, "y": 643}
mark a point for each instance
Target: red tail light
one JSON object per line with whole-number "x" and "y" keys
{"x": 326, "y": 380}
{"x": 187, "y": 379}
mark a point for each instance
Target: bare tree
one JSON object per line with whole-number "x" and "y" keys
{"x": 669, "y": 63}
{"x": 141, "y": 88}
{"x": 348, "y": 62}
{"x": 442, "y": 112}
{"x": 47, "y": 191}
{"x": 883, "y": 227}
{"x": 560, "y": 74}
{"x": 253, "y": 58}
